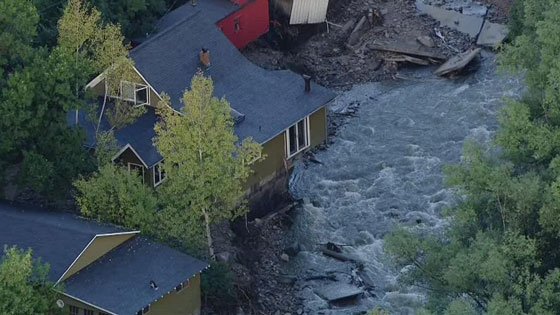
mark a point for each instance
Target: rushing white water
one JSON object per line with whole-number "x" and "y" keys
{"x": 385, "y": 168}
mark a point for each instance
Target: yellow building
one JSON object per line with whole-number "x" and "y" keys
{"x": 103, "y": 269}
{"x": 283, "y": 111}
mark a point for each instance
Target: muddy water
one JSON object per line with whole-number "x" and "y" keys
{"x": 385, "y": 168}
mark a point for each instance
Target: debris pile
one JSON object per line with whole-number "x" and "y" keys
{"x": 369, "y": 40}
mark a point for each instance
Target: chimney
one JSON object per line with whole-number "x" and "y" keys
{"x": 205, "y": 57}
{"x": 193, "y": 3}
{"x": 307, "y": 79}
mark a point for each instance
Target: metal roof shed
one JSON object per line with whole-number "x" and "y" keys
{"x": 309, "y": 11}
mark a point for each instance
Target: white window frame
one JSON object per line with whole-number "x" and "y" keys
{"x": 161, "y": 179}
{"x": 136, "y": 87}
{"x": 139, "y": 165}
{"x": 308, "y": 138}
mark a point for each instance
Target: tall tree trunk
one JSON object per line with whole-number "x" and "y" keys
{"x": 209, "y": 236}
{"x": 101, "y": 113}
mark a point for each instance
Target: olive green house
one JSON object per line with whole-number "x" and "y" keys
{"x": 281, "y": 110}
{"x": 104, "y": 269}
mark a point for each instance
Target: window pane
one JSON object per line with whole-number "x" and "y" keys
{"x": 293, "y": 140}
{"x": 142, "y": 96}
{"x": 127, "y": 91}
{"x": 302, "y": 135}
{"x": 73, "y": 310}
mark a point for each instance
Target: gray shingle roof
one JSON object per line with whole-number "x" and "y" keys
{"x": 55, "y": 237}
{"x": 120, "y": 281}
{"x": 215, "y": 10}
{"x": 270, "y": 100}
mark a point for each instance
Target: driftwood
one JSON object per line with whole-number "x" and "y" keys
{"x": 347, "y": 27}
{"x": 407, "y": 48}
{"x": 339, "y": 256}
{"x": 405, "y": 58}
{"x": 322, "y": 277}
{"x": 366, "y": 279}
{"x": 357, "y": 32}
{"x": 457, "y": 62}
{"x": 271, "y": 216}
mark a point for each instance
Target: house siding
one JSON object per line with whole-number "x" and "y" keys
{"x": 99, "y": 89}
{"x": 70, "y": 301}
{"x": 128, "y": 156}
{"x": 185, "y": 302}
{"x": 99, "y": 247}
{"x": 253, "y": 22}
{"x": 275, "y": 151}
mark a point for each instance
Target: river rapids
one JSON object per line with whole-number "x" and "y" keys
{"x": 385, "y": 169}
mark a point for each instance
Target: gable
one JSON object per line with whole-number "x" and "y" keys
{"x": 99, "y": 246}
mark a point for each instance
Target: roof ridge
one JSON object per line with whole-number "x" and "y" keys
{"x": 165, "y": 31}
{"x": 17, "y": 212}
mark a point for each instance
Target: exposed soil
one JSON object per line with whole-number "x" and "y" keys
{"x": 333, "y": 63}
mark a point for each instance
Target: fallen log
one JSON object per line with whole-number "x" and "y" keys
{"x": 339, "y": 256}
{"x": 405, "y": 58}
{"x": 322, "y": 277}
{"x": 366, "y": 279}
{"x": 457, "y": 62}
{"x": 407, "y": 48}
{"x": 354, "y": 37}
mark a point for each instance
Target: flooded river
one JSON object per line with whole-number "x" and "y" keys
{"x": 385, "y": 168}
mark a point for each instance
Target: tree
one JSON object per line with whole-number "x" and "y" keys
{"x": 98, "y": 47}
{"x": 18, "y": 27}
{"x": 34, "y": 104}
{"x": 25, "y": 286}
{"x": 204, "y": 165}
{"x": 113, "y": 194}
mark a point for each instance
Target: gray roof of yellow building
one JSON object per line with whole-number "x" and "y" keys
{"x": 119, "y": 281}
{"x": 55, "y": 237}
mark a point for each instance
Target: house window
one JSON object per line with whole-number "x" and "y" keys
{"x": 73, "y": 310}
{"x": 88, "y": 312}
{"x": 297, "y": 137}
{"x": 139, "y": 169}
{"x": 237, "y": 24}
{"x": 135, "y": 93}
{"x": 159, "y": 174}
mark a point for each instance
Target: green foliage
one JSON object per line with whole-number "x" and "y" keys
{"x": 217, "y": 286}
{"x": 378, "y": 311}
{"x": 500, "y": 254}
{"x": 113, "y": 194}
{"x": 33, "y": 106}
{"x": 18, "y": 27}
{"x": 205, "y": 177}
{"x": 25, "y": 288}
{"x": 106, "y": 147}
{"x": 98, "y": 47}
{"x": 136, "y": 17}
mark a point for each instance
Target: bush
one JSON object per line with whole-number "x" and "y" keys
{"x": 115, "y": 195}
{"x": 217, "y": 286}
